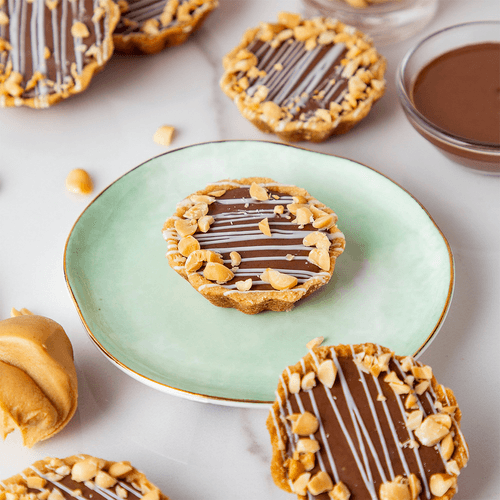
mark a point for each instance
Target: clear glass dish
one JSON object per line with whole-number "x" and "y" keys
{"x": 387, "y": 22}
{"x": 482, "y": 157}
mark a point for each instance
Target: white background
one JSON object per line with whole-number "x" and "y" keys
{"x": 201, "y": 451}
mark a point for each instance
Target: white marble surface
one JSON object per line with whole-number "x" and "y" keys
{"x": 194, "y": 450}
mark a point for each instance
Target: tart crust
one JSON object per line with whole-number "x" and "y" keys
{"x": 372, "y": 361}
{"x": 269, "y": 90}
{"x": 255, "y": 300}
{"x": 173, "y": 25}
{"x": 82, "y": 476}
{"x": 62, "y": 70}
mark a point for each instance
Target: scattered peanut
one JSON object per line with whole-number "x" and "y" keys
{"x": 196, "y": 212}
{"x": 305, "y": 424}
{"x": 300, "y": 485}
{"x": 244, "y": 285}
{"x": 217, "y": 272}
{"x": 324, "y": 222}
{"x": 79, "y": 30}
{"x": 205, "y": 222}
{"x": 433, "y": 429}
{"x": 308, "y": 381}
{"x": 279, "y": 281}
{"x": 79, "y": 181}
{"x": 340, "y": 492}
{"x": 185, "y": 227}
{"x": 264, "y": 227}
{"x": 327, "y": 371}
{"x": 85, "y": 470}
{"x": 320, "y": 257}
{"x": 164, "y": 135}
{"x": 235, "y": 258}
{"x": 441, "y": 483}
{"x": 258, "y": 192}
{"x": 320, "y": 483}
{"x": 294, "y": 383}
{"x": 104, "y": 480}
{"x": 304, "y": 216}
{"x": 306, "y": 445}
{"x": 395, "y": 490}
{"x": 119, "y": 469}
{"x": 317, "y": 239}
{"x": 187, "y": 245}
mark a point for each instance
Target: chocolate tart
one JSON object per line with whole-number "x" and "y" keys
{"x": 82, "y": 477}
{"x": 304, "y": 79}
{"x": 148, "y": 26}
{"x": 253, "y": 244}
{"x": 358, "y": 421}
{"x": 40, "y": 67}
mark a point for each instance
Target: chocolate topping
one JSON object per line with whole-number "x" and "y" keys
{"x": 137, "y": 12}
{"x": 347, "y": 469}
{"x": 235, "y": 228}
{"x": 81, "y": 477}
{"x": 364, "y": 434}
{"x": 460, "y": 92}
{"x": 45, "y": 46}
{"x": 299, "y": 79}
{"x": 304, "y": 79}
{"x": 72, "y": 490}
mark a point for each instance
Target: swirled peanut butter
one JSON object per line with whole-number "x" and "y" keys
{"x": 39, "y": 390}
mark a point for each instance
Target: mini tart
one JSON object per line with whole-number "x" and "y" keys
{"x": 82, "y": 477}
{"x": 39, "y": 68}
{"x": 360, "y": 422}
{"x": 241, "y": 243}
{"x": 304, "y": 79}
{"x": 150, "y": 26}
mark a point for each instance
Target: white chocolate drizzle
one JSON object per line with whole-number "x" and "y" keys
{"x": 238, "y": 231}
{"x": 28, "y": 20}
{"x": 375, "y": 451}
{"x": 106, "y": 493}
{"x": 300, "y": 76}
{"x": 140, "y": 11}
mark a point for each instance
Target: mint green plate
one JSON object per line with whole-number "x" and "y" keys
{"x": 392, "y": 285}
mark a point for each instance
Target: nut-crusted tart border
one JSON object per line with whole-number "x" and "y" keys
{"x": 312, "y": 369}
{"x": 153, "y": 38}
{"x": 87, "y": 469}
{"x": 11, "y": 82}
{"x": 366, "y": 88}
{"x": 248, "y": 301}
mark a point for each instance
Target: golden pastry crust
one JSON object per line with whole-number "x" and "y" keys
{"x": 371, "y": 361}
{"x": 249, "y": 282}
{"x": 39, "y": 389}
{"x": 169, "y": 26}
{"x": 85, "y": 473}
{"x": 301, "y": 99}
{"x": 62, "y": 73}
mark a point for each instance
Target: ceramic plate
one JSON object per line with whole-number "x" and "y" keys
{"x": 392, "y": 285}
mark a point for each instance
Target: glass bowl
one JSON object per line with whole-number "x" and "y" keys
{"x": 480, "y": 156}
{"x": 388, "y": 22}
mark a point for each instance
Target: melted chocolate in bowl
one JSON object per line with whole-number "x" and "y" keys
{"x": 459, "y": 94}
